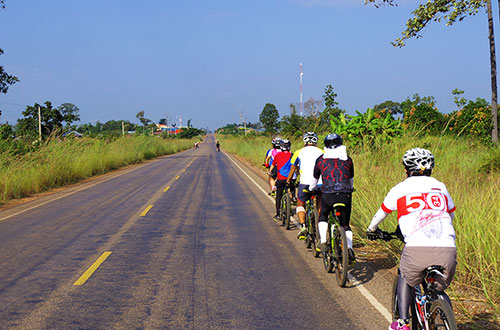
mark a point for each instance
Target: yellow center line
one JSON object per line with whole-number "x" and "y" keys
{"x": 165, "y": 190}
{"x": 146, "y": 210}
{"x": 177, "y": 177}
{"x": 92, "y": 269}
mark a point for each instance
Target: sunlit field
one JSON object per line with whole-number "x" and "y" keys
{"x": 58, "y": 162}
{"x": 471, "y": 173}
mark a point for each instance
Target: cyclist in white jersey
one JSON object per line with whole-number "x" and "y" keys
{"x": 425, "y": 215}
{"x": 304, "y": 159}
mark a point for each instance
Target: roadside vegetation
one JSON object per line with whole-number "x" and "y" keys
{"x": 26, "y": 170}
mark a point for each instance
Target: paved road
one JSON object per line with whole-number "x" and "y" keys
{"x": 206, "y": 255}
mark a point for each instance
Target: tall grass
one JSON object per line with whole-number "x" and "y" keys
{"x": 58, "y": 163}
{"x": 471, "y": 173}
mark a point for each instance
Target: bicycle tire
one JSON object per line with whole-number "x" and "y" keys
{"x": 394, "y": 305}
{"x": 288, "y": 210}
{"x": 310, "y": 235}
{"x": 327, "y": 256}
{"x": 282, "y": 210}
{"x": 315, "y": 228}
{"x": 442, "y": 310}
{"x": 341, "y": 257}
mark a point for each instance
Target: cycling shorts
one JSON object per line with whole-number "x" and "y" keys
{"x": 304, "y": 196}
{"x": 415, "y": 259}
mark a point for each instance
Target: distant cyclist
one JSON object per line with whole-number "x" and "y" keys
{"x": 269, "y": 161}
{"x": 336, "y": 169}
{"x": 279, "y": 161}
{"x": 304, "y": 159}
{"x": 425, "y": 216}
{"x": 217, "y": 144}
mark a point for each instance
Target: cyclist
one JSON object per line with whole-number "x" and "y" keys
{"x": 304, "y": 159}
{"x": 425, "y": 215}
{"x": 269, "y": 161}
{"x": 217, "y": 144}
{"x": 279, "y": 161}
{"x": 336, "y": 169}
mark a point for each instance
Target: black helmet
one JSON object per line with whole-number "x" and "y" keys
{"x": 285, "y": 145}
{"x": 333, "y": 141}
{"x": 310, "y": 137}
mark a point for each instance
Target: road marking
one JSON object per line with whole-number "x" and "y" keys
{"x": 165, "y": 190}
{"x": 177, "y": 177}
{"x": 146, "y": 210}
{"x": 92, "y": 269}
{"x": 375, "y": 303}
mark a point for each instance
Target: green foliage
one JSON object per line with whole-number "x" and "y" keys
{"x": 6, "y": 132}
{"x": 52, "y": 119}
{"x": 269, "y": 118}
{"x": 292, "y": 125}
{"x": 189, "y": 133}
{"x": 433, "y": 10}
{"x": 419, "y": 113}
{"x": 474, "y": 119}
{"x": 5, "y": 78}
{"x": 391, "y": 107}
{"x": 140, "y": 115}
{"x": 369, "y": 129}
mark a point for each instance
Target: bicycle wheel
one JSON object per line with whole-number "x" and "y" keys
{"x": 394, "y": 305}
{"x": 441, "y": 315}
{"x": 314, "y": 224}
{"x": 288, "y": 210}
{"x": 282, "y": 210}
{"x": 309, "y": 238}
{"x": 327, "y": 256}
{"x": 340, "y": 255}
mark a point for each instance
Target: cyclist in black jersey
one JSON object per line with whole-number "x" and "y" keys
{"x": 337, "y": 171}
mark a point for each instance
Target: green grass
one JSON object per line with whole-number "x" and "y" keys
{"x": 470, "y": 172}
{"x": 58, "y": 163}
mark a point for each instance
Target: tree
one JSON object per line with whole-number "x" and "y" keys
{"x": 292, "y": 125}
{"x": 391, "y": 107}
{"x": 51, "y": 119}
{"x": 312, "y": 106}
{"x": 451, "y": 11}
{"x": 5, "y": 78}
{"x": 163, "y": 121}
{"x": 144, "y": 121}
{"x": 269, "y": 118}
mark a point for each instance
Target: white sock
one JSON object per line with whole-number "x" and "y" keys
{"x": 348, "y": 235}
{"x": 322, "y": 227}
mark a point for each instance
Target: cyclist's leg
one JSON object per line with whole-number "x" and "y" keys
{"x": 404, "y": 299}
{"x": 326, "y": 208}
{"x": 280, "y": 187}
{"x": 302, "y": 198}
{"x": 346, "y": 215}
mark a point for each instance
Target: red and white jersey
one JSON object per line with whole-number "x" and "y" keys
{"x": 424, "y": 206}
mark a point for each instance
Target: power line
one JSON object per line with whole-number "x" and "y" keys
{"x": 9, "y": 103}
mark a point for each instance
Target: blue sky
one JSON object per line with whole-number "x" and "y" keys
{"x": 208, "y": 60}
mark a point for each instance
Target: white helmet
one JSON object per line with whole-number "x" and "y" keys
{"x": 418, "y": 160}
{"x": 310, "y": 137}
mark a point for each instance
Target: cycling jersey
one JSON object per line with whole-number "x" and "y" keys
{"x": 305, "y": 159}
{"x": 424, "y": 207}
{"x": 280, "y": 160}
{"x": 336, "y": 169}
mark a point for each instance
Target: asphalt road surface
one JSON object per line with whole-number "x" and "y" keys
{"x": 186, "y": 241}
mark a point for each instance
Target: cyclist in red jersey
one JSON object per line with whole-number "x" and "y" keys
{"x": 279, "y": 160}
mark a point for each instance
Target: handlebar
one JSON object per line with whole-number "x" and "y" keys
{"x": 384, "y": 235}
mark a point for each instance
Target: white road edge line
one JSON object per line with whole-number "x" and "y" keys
{"x": 375, "y": 303}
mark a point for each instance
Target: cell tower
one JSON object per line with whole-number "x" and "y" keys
{"x": 301, "y": 103}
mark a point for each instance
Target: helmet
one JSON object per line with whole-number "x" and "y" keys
{"x": 310, "y": 137}
{"x": 418, "y": 160}
{"x": 285, "y": 145}
{"x": 276, "y": 142}
{"x": 333, "y": 141}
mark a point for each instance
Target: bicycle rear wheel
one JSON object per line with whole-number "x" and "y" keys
{"x": 441, "y": 316}
{"x": 394, "y": 305}
{"x": 328, "y": 255}
{"x": 340, "y": 255}
{"x": 314, "y": 224}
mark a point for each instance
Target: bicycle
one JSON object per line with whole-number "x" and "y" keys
{"x": 285, "y": 209}
{"x": 336, "y": 256}
{"x": 429, "y": 308}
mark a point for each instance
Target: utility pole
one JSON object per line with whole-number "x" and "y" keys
{"x": 123, "y": 128}
{"x": 301, "y": 103}
{"x": 39, "y": 124}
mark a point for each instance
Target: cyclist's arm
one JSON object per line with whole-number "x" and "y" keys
{"x": 377, "y": 219}
{"x": 290, "y": 175}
